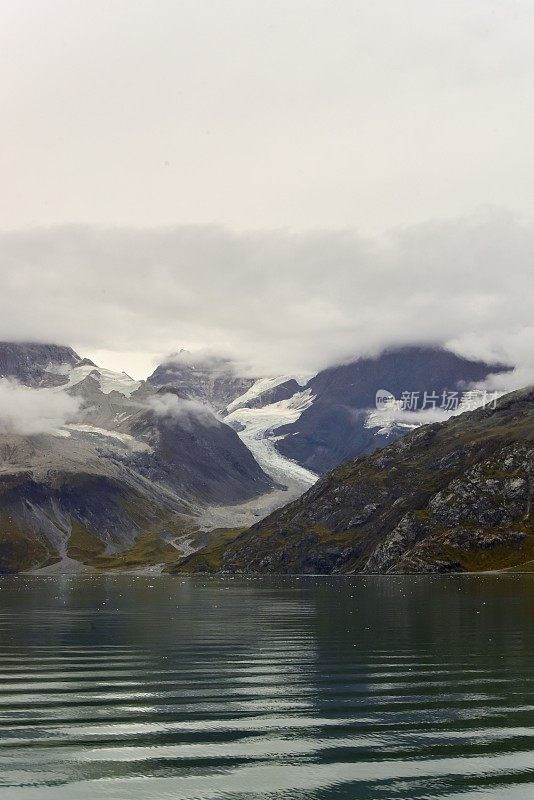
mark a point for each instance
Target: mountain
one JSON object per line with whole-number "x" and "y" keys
{"x": 339, "y": 423}
{"x": 448, "y": 497}
{"x": 125, "y": 481}
{"x": 209, "y": 379}
{"x": 298, "y": 427}
{"x": 34, "y": 364}
{"x": 137, "y": 473}
{"x": 254, "y": 408}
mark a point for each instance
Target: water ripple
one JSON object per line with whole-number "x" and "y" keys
{"x": 271, "y": 688}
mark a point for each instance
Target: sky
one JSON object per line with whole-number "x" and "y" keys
{"x": 290, "y": 181}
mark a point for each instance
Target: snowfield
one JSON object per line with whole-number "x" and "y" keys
{"x": 108, "y": 380}
{"x": 124, "y": 438}
{"x": 264, "y": 385}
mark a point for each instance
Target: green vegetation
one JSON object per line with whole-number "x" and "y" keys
{"x": 209, "y": 559}
{"x": 449, "y": 496}
{"x": 83, "y": 545}
{"x": 20, "y": 551}
{"x": 148, "y": 550}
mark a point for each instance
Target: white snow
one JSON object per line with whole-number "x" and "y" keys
{"x": 58, "y": 369}
{"x": 263, "y": 385}
{"x": 388, "y": 419}
{"x": 130, "y": 441}
{"x": 108, "y": 380}
{"x": 61, "y": 433}
{"x": 475, "y": 398}
{"x": 258, "y": 435}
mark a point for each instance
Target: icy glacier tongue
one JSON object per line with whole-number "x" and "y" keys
{"x": 256, "y": 428}
{"x": 266, "y": 391}
{"x": 121, "y": 466}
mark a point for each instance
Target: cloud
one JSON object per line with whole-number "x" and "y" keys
{"x": 27, "y": 411}
{"x": 220, "y": 362}
{"x": 277, "y": 301}
{"x": 170, "y": 406}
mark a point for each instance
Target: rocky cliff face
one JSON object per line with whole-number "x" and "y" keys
{"x": 210, "y": 380}
{"x": 453, "y": 496}
{"x": 35, "y": 364}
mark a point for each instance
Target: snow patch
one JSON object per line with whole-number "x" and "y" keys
{"x": 58, "y": 369}
{"x": 108, "y": 380}
{"x": 264, "y": 385}
{"x": 130, "y": 441}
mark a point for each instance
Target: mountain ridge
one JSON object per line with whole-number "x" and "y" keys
{"x": 159, "y": 464}
{"x": 133, "y": 462}
{"x": 448, "y": 497}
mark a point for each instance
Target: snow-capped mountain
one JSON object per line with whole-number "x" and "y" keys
{"x": 297, "y": 427}
{"x": 98, "y": 470}
{"x": 257, "y": 428}
{"x": 341, "y": 422}
{"x": 130, "y": 460}
{"x": 300, "y": 426}
{"x": 32, "y": 363}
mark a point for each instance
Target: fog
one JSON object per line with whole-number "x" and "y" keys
{"x": 27, "y": 411}
{"x": 277, "y": 301}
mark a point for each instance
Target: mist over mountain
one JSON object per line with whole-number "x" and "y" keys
{"x": 275, "y": 301}
{"x": 101, "y": 471}
{"x": 117, "y": 463}
{"x": 339, "y": 425}
{"x": 210, "y": 379}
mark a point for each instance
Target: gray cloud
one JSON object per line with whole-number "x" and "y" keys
{"x": 28, "y": 411}
{"x": 323, "y": 117}
{"x": 169, "y": 406}
{"x": 278, "y": 301}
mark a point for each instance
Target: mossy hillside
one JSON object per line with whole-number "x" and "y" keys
{"x": 210, "y": 557}
{"x": 157, "y": 526}
{"x": 105, "y": 524}
{"x": 148, "y": 550}
{"x": 20, "y": 550}
{"x": 83, "y": 544}
{"x": 467, "y": 464}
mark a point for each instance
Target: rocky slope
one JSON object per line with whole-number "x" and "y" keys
{"x": 133, "y": 471}
{"x": 299, "y": 426}
{"x": 452, "y": 496}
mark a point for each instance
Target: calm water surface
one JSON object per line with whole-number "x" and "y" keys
{"x": 165, "y": 687}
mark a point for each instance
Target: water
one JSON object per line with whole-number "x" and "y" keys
{"x": 135, "y": 687}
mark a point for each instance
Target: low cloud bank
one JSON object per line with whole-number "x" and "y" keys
{"x": 278, "y": 301}
{"x": 170, "y": 406}
{"x": 27, "y": 411}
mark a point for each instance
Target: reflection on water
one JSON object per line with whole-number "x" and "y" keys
{"x": 165, "y": 687}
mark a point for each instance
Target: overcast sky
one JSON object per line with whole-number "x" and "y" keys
{"x": 292, "y": 180}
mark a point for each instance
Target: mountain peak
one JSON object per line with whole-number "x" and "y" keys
{"x": 28, "y": 362}
{"x": 211, "y": 379}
